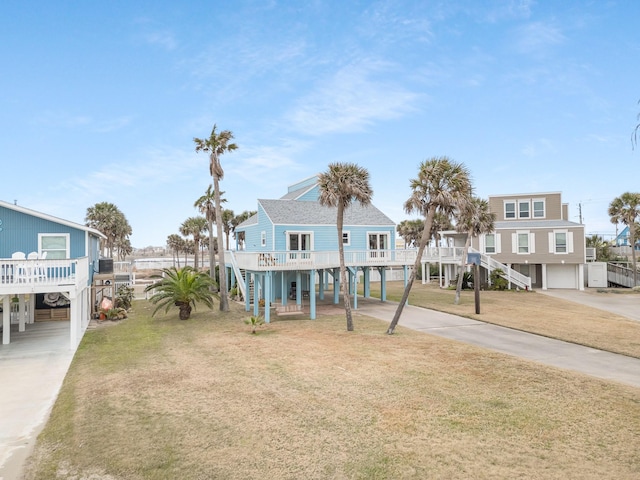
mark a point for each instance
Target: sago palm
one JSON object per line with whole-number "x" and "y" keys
{"x": 182, "y": 288}
{"x": 339, "y": 187}
{"x": 441, "y": 186}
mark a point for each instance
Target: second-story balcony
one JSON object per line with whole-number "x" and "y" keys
{"x": 306, "y": 259}
{"x": 41, "y": 276}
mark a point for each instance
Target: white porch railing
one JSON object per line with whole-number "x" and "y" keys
{"x": 28, "y": 274}
{"x": 306, "y": 260}
{"x": 262, "y": 261}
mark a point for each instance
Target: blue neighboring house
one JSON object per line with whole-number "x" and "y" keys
{"x": 46, "y": 270}
{"x": 290, "y": 249}
{"x": 623, "y": 239}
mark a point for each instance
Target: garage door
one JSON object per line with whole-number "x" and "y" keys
{"x": 561, "y": 276}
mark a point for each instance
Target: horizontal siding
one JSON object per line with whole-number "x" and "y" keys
{"x": 20, "y": 233}
{"x": 552, "y": 201}
{"x": 541, "y": 254}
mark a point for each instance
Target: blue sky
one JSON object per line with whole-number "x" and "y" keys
{"x": 100, "y": 101}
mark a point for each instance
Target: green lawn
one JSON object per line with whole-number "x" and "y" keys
{"x": 204, "y": 399}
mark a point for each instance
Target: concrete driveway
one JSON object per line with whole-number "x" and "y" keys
{"x": 34, "y": 365}
{"x": 605, "y": 365}
{"x": 625, "y": 304}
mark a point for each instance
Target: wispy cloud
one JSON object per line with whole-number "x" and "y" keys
{"x": 537, "y": 37}
{"x": 164, "y": 39}
{"x": 354, "y": 97}
{"x": 71, "y": 121}
{"x": 540, "y": 147}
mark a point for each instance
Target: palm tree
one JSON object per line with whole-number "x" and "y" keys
{"x": 625, "y": 209}
{"x": 181, "y": 287}
{"x": 194, "y": 226}
{"x": 339, "y": 187}
{"x": 175, "y": 244}
{"x": 410, "y": 231}
{"x": 108, "y": 219}
{"x": 216, "y": 145}
{"x": 206, "y": 204}
{"x": 475, "y": 219}
{"x": 441, "y": 186}
{"x": 227, "y": 224}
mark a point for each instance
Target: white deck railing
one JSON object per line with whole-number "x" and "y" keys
{"x": 42, "y": 273}
{"x": 316, "y": 260}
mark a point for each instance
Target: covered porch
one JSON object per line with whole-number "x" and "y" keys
{"x": 22, "y": 280}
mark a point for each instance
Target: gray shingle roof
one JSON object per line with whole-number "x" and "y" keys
{"x": 292, "y": 212}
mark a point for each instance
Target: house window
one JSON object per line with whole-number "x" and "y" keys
{"x": 523, "y": 209}
{"x": 378, "y": 244}
{"x": 54, "y": 245}
{"x": 346, "y": 238}
{"x": 263, "y": 239}
{"x": 510, "y": 210}
{"x": 490, "y": 243}
{"x": 299, "y": 241}
{"x": 523, "y": 243}
{"x": 538, "y": 209}
{"x": 561, "y": 242}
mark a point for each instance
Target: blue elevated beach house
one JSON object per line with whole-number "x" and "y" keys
{"x": 289, "y": 256}
{"x": 47, "y": 267}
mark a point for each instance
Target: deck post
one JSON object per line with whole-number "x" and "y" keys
{"x": 383, "y": 284}
{"x": 367, "y": 282}
{"x": 312, "y": 294}
{"x": 336, "y": 286}
{"x": 6, "y": 320}
{"x": 247, "y": 299}
{"x": 321, "y": 278}
{"x": 267, "y": 296}
{"x": 22, "y": 311}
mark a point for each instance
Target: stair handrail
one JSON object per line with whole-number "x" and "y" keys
{"x": 237, "y": 271}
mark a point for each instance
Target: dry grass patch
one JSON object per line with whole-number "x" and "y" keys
{"x": 205, "y": 399}
{"x": 530, "y": 312}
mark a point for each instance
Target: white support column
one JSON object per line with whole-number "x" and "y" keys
{"x": 581, "y": 277}
{"x": 74, "y": 323}
{"x": 544, "y": 276}
{"x": 32, "y": 308}
{"x": 22, "y": 312}
{"x": 6, "y": 320}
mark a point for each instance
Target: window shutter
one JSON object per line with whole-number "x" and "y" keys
{"x": 532, "y": 242}
{"x": 552, "y": 247}
{"x": 514, "y": 243}
{"x": 498, "y": 243}
{"x": 570, "y": 242}
{"x": 481, "y": 244}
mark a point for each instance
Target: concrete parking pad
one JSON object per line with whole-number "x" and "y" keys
{"x": 33, "y": 365}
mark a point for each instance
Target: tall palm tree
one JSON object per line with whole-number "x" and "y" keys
{"x": 194, "y": 226}
{"x": 441, "y": 186}
{"x": 339, "y": 187}
{"x": 206, "y": 205}
{"x": 625, "y": 209}
{"x": 108, "y": 219}
{"x": 475, "y": 219}
{"x": 217, "y": 145}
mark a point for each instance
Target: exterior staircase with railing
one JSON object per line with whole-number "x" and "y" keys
{"x": 511, "y": 275}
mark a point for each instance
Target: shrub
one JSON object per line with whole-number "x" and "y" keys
{"x": 497, "y": 282}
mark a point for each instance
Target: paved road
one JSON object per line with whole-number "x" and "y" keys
{"x": 605, "y": 365}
